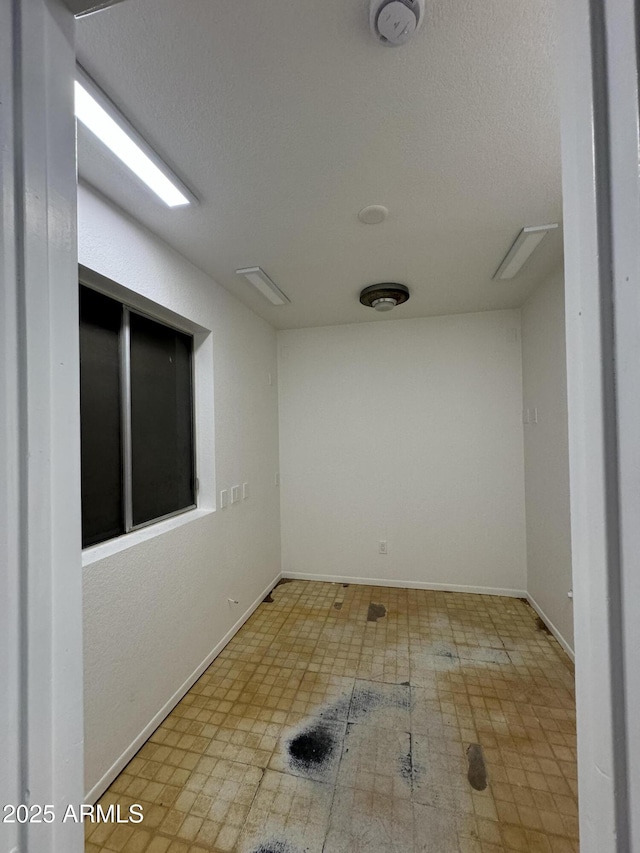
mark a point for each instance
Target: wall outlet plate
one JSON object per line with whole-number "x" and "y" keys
{"x": 235, "y": 494}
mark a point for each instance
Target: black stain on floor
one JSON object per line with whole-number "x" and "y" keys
{"x": 541, "y": 625}
{"x": 338, "y": 605}
{"x": 406, "y": 764}
{"x": 345, "y": 584}
{"x": 275, "y": 847}
{"x": 312, "y": 749}
{"x": 477, "y": 773}
{"x": 375, "y": 612}
{"x": 268, "y": 599}
{"x": 364, "y": 700}
{"x": 336, "y": 711}
{"x": 284, "y": 580}
{"x": 406, "y": 767}
{"x": 367, "y": 697}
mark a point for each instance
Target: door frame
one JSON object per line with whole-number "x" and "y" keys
{"x": 40, "y": 544}
{"x": 598, "y": 75}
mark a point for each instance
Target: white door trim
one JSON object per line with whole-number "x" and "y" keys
{"x": 622, "y": 31}
{"x": 41, "y": 607}
{"x": 10, "y": 625}
{"x": 599, "y": 111}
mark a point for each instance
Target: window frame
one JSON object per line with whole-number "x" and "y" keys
{"x": 201, "y": 390}
{"x": 126, "y": 407}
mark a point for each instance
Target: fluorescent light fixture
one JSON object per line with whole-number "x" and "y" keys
{"x": 526, "y": 241}
{"x": 261, "y": 281}
{"x": 102, "y": 118}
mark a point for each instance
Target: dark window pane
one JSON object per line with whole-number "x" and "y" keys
{"x": 161, "y": 420}
{"x": 100, "y": 417}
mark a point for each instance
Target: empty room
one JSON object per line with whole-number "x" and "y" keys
{"x": 323, "y": 431}
{"x": 398, "y": 456}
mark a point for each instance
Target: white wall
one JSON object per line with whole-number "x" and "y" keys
{"x": 408, "y": 431}
{"x": 156, "y": 610}
{"x": 546, "y": 454}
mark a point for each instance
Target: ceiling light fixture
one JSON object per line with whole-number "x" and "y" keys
{"x": 384, "y": 296}
{"x": 102, "y": 118}
{"x": 261, "y": 281}
{"x": 525, "y": 243}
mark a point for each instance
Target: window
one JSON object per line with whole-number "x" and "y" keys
{"x": 136, "y": 410}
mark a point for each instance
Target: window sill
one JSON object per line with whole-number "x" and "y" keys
{"x": 95, "y": 553}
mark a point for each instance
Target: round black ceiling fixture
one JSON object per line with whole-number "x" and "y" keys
{"x": 384, "y": 296}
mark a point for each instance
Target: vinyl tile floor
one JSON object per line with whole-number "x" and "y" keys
{"x": 345, "y": 719}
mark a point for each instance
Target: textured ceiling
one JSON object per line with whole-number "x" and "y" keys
{"x": 286, "y": 118}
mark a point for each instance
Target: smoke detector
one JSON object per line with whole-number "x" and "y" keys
{"x": 393, "y": 22}
{"x": 384, "y": 296}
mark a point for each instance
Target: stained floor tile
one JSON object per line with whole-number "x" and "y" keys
{"x": 381, "y": 705}
{"x": 321, "y": 730}
{"x": 312, "y": 749}
{"x": 376, "y": 760}
{"x": 367, "y": 822}
{"x": 288, "y": 814}
{"x": 327, "y": 696}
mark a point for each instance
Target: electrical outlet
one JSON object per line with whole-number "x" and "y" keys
{"x": 235, "y": 494}
{"x": 245, "y": 491}
{"x": 382, "y": 547}
{"x": 224, "y": 499}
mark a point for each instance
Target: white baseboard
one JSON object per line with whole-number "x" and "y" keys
{"x": 444, "y": 587}
{"x": 116, "y": 768}
{"x": 565, "y": 645}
